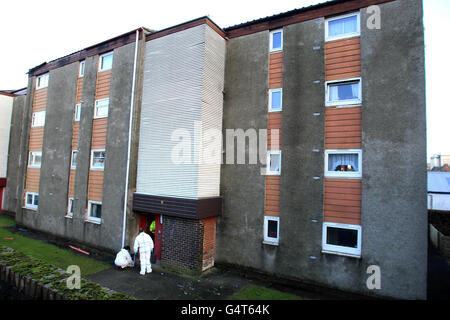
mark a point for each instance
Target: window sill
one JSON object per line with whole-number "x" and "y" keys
{"x": 343, "y": 104}
{"x": 68, "y": 217}
{"x": 93, "y": 222}
{"x": 270, "y": 243}
{"x": 31, "y": 209}
{"x": 342, "y": 254}
{"x": 343, "y": 36}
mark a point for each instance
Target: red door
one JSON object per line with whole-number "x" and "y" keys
{"x": 144, "y": 222}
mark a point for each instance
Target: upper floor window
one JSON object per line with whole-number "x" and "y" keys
{"x": 105, "y": 62}
{"x": 101, "y": 108}
{"x": 275, "y": 99}
{"x": 34, "y": 159}
{"x": 273, "y": 162}
{"x": 343, "y": 163}
{"x": 343, "y": 92}
{"x": 42, "y": 81}
{"x": 341, "y": 27}
{"x": 98, "y": 159}
{"x": 38, "y": 119}
{"x": 276, "y": 40}
{"x": 77, "y": 113}
{"x": 81, "y": 70}
{"x": 73, "y": 162}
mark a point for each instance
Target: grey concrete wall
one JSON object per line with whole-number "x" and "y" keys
{"x": 242, "y": 185}
{"x": 11, "y": 195}
{"x": 394, "y": 208}
{"x": 394, "y": 158}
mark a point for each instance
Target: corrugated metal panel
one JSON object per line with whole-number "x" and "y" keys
{"x": 171, "y": 100}
{"x": 439, "y": 182}
{"x": 212, "y": 111}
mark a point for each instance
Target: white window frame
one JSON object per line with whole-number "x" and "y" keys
{"x": 272, "y": 49}
{"x": 40, "y": 115}
{"x": 77, "y": 112}
{"x": 31, "y": 159}
{"x": 269, "y": 172}
{"x": 32, "y": 205}
{"x": 273, "y": 90}
{"x": 100, "y": 62}
{"x": 267, "y": 239}
{"x": 349, "y": 102}
{"x": 343, "y": 174}
{"x": 71, "y": 201}
{"x": 81, "y": 69}
{"x": 89, "y": 217}
{"x": 92, "y": 159}
{"x": 42, "y": 81}
{"x": 341, "y": 250}
{"x": 99, "y": 103}
{"x": 345, "y": 35}
{"x": 72, "y": 165}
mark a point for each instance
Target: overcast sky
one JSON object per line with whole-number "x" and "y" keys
{"x": 34, "y": 32}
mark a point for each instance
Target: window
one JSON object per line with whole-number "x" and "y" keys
{"x": 276, "y": 40}
{"x": 275, "y": 99}
{"x": 98, "y": 159}
{"x": 73, "y": 162}
{"x": 34, "y": 159}
{"x": 101, "y": 108}
{"x": 271, "y": 230}
{"x": 38, "y": 119}
{"x": 81, "y": 70}
{"x": 105, "y": 62}
{"x": 342, "y": 27}
{"x": 77, "y": 113}
{"x": 42, "y": 81}
{"x": 95, "y": 211}
{"x": 343, "y": 163}
{"x": 70, "y": 208}
{"x": 273, "y": 162}
{"x": 31, "y": 200}
{"x": 343, "y": 92}
{"x": 341, "y": 238}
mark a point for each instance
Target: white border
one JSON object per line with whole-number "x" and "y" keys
{"x": 271, "y": 49}
{"x": 33, "y": 125}
{"x": 345, "y": 35}
{"x": 31, "y": 206}
{"x": 100, "y": 61}
{"x": 29, "y": 159}
{"x": 341, "y": 250}
{"x": 96, "y": 104}
{"x": 71, "y": 160}
{"x": 273, "y": 173}
{"x": 69, "y": 214}
{"x": 82, "y": 63}
{"x": 343, "y": 174}
{"x": 273, "y": 90}
{"x": 93, "y": 219}
{"x": 77, "y": 113}
{"x": 47, "y": 75}
{"x": 92, "y": 159}
{"x": 267, "y": 239}
{"x": 350, "y": 102}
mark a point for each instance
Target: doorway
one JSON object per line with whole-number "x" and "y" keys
{"x": 145, "y": 222}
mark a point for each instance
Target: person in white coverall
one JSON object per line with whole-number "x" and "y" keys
{"x": 144, "y": 243}
{"x": 123, "y": 258}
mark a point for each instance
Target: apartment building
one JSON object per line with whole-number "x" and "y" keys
{"x": 118, "y": 135}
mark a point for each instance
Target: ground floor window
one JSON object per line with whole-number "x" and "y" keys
{"x": 271, "y": 230}
{"x": 95, "y": 211}
{"x": 32, "y": 200}
{"x": 341, "y": 238}
{"x": 70, "y": 208}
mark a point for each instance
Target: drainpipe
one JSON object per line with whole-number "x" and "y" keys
{"x": 125, "y": 203}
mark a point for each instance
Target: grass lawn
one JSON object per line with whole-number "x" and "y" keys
{"x": 261, "y": 293}
{"x": 47, "y": 252}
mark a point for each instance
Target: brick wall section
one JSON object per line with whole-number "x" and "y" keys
{"x": 182, "y": 244}
{"x": 209, "y": 239}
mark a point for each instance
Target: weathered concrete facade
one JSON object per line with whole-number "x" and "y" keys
{"x": 221, "y": 79}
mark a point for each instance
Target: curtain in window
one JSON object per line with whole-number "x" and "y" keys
{"x": 342, "y": 26}
{"x": 335, "y": 160}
